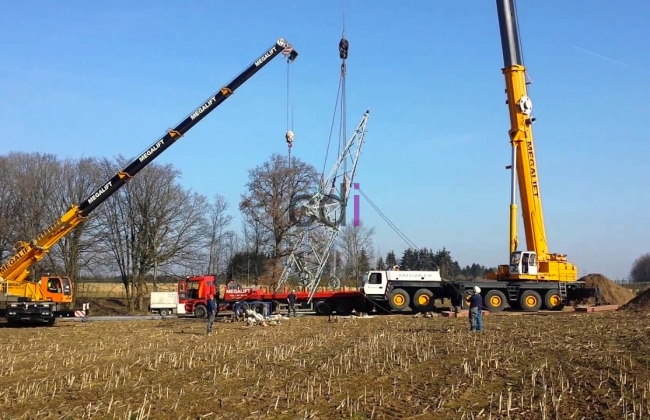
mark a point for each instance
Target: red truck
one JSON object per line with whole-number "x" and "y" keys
{"x": 194, "y": 291}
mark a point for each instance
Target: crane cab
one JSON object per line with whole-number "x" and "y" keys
{"x": 523, "y": 262}
{"x": 57, "y": 289}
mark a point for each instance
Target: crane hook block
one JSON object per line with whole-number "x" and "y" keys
{"x": 343, "y": 48}
{"x": 289, "y": 136}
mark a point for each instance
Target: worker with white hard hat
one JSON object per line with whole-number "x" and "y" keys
{"x": 476, "y": 310}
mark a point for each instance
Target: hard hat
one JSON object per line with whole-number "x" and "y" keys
{"x": 477, "y": 289}
{"x": 293, "y": 291}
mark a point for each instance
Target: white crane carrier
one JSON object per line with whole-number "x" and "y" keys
{"x": 397, "y": 287}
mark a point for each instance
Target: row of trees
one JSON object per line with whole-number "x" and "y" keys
{"x": 426, "y": 259}
{"x": 155, "y": 227}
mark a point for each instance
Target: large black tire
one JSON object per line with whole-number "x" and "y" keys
{"x": 200, "y": 311}
{"x": 399, "y": 300}
{"x": 343, "y": 307}
{"x": 553, "y": 301}
{"x": 367, "y": 307}
{"x": 323, "y": 307}
{"x": 423, "y": 300}
{"x": 257, "y": 307}
{"x": 530, "y": 301}
{"x": 495, "y": 301}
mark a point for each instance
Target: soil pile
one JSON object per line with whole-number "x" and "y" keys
{"x": 641, "y": 303}
{"x": 613, "y": 294}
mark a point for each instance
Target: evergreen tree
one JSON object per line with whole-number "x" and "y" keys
{"x": 391, "y": 260}
{"x": 364, "y": 264}
{"x": 409, "y": 260}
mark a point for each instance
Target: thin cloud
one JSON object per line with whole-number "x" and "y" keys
{"x": 611, "y": 60}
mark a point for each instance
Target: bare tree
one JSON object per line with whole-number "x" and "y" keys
{"x": 219, "y": 236}
{"x": 640, "y": 272}
{"x": 9, "y": 210}
{"x": 33, "y": 184}
{"x": 150, "y": 224}
{"x": 271, "y": 187}
{"x": 356, "y": 246}
{"x": 74, "y": 252}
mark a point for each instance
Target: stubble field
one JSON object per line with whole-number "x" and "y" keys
{"x": 564, "y": 366}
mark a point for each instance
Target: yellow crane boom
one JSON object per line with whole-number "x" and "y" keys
{"x": 536, "y": 263}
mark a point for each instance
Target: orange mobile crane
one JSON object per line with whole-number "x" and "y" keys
{"x": 22, "y": 300}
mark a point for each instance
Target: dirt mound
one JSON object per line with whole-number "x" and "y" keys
{"x": 641, "y": 303}
{"x": 613, "y": 294}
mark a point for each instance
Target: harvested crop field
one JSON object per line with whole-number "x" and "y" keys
{"x": 524, "y": 367}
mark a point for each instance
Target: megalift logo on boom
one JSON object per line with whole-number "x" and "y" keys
{"x": 152, "y": 149}
{"x": 15, "y": 258}
{"x": 203, "y": 107}
{"x": 265, "y": 56}
{"x": 28, "y": 248}
{"x": 100, "y": 191}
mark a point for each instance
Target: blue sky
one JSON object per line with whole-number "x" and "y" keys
{"x": 106, "y": 78}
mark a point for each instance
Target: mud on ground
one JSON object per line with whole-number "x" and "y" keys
{"x": 613, "y": 294}
{"x": 581, "y": 365}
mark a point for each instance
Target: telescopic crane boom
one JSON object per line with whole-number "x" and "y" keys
{"x": 537, "y": 263}
{"x": 16, "y": 269}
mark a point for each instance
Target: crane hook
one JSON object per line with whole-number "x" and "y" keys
{"x": 343, "y": 48}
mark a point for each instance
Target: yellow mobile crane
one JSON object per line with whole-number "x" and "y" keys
{"x": 22, "y": 300}
{"x": 535, "y": 271}
{"x": 535, "y": 278}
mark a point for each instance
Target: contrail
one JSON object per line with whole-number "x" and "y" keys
{"x": 611, "y": 60}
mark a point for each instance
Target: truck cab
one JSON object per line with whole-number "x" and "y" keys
{"x": 193, "y": 293}
{"x": 374, "y": 283}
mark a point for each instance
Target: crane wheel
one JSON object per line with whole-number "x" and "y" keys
{"x": 343, "y": 307}
{"x": 423, "y": 300}
{"x": 200, "y": 311}
{"x": 399, "y": 300}
{"x": 530, "y": 301}
{"x": 553, "y": 301}
{"x": 495, "y": 301}
{"x": 323, "y": 307}
{"x": 368, "y": 307}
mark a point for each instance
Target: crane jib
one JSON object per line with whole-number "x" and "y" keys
{"x": 119, "y": 179}
{"x": 203, "y": 107}
{"x": 14, "y": 259}
{"x": 266, "y": 56}
{"x": 26, "y": 256}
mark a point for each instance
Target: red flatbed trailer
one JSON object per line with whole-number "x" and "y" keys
{"x": 193, "y": 292}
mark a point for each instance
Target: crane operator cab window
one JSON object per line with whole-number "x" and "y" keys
{"x": 67, "y": 286}
{"x": 523, "y": 262}
{"x": 54, "y": 285}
